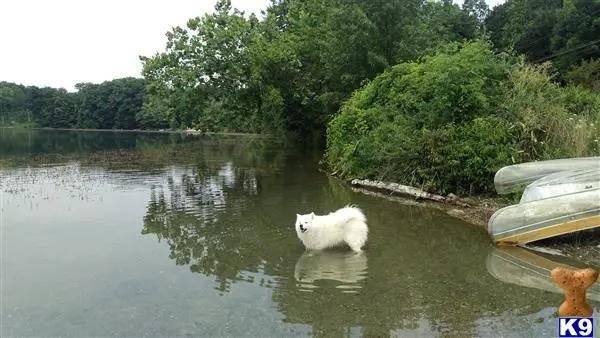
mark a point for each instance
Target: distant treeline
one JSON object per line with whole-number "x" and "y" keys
{"x": 115, "y": 104}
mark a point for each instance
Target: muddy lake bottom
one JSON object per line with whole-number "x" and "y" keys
{"x": 150, "y": 234}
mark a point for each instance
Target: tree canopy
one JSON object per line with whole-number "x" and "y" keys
{"x": 293, "y": 68}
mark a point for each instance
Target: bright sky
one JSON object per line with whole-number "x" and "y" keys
{"x": 59, "y": 43}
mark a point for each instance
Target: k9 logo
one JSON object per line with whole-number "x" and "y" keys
{"x": 575, "y": 327}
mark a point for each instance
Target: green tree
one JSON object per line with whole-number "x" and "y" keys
{"x": 576, "y": 33}
{"x": 205, "y": 62}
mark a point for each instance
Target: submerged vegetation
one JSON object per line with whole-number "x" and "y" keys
{"x": 426, "y": 93}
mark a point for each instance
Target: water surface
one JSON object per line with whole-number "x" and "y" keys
{"x": 139, "y": 234}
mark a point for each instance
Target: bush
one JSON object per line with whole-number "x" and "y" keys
{"x": 448, "y": 123}
{"x": 582, "y": 101}
{"x": 378, "y": 154}
{"x": 586, "y": 74}
{"x": 458, "y": 157}
{"x": 455, "y": 85}
{"x": 550, "y": 121}
{"x": 463, "y": 158}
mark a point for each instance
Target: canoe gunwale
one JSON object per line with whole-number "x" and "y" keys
{"x": 556, "y": 222}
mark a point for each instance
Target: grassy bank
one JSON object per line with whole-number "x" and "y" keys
{"x": 447, "y": 123}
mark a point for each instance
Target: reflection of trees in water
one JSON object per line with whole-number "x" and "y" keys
{"x": 193, "y": 216}
{"x": 205, "y": 213}
{"x": 121, "y": 168}
{"x": 22, "y": 142}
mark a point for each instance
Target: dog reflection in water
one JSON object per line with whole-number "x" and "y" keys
{"x": 346, "y": 267}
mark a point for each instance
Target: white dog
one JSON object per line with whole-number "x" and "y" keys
{"x": 346, "y": 225}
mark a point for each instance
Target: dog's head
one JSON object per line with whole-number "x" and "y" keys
{"x": 303, "y": 221}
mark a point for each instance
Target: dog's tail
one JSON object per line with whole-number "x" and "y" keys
{"x": 352, "y": 212}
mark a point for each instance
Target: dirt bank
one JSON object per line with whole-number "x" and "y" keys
{"x": 583, "y": 246}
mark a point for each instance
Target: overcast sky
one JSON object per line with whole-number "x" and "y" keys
{"x": 59, "y": 43}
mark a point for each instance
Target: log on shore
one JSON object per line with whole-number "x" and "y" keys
{"x": 407, "y": 191}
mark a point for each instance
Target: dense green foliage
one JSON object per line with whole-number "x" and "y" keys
{"x": 113, "y": 104}
{"x": 565, "y": 32}
{"x": 295, "y": 67}
{"x": 450, "y": 121}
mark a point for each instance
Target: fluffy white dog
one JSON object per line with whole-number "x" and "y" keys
{"x": 346, "y": 225}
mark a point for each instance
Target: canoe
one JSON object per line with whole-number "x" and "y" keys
{"x": 510, "y": 178}
{"x": 562, "y": 183}
{"x": 554, "y": 204}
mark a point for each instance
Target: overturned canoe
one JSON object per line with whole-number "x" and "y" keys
{"x": 532, "y": 221}
{"x": 556, "y": 204}
{"x": 562, "y": 183}
{"x": 510, "y": 178}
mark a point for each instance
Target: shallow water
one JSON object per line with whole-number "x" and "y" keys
{"x": 131, "y": 234}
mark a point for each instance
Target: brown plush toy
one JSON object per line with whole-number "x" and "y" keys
{"x": 574, "y": 283}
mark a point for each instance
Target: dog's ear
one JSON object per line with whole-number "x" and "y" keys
{"x": 312, "y": 215}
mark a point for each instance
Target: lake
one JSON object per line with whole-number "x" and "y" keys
{"x": 150, "y": 234}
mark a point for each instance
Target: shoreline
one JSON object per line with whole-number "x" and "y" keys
{"x": 149, "y": 131}
{"x": 583, "y": 246}
{"x": 473, "y": 210}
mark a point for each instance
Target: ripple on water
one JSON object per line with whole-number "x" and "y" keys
{"x": 346, "y": 269}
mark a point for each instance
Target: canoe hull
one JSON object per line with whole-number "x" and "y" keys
{"x": 511, "y": 178}
{"x": 540, "y": 219}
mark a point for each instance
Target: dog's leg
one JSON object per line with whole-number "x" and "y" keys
{"x": 356, "y": 239}
{"x": 355, "y": 242}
